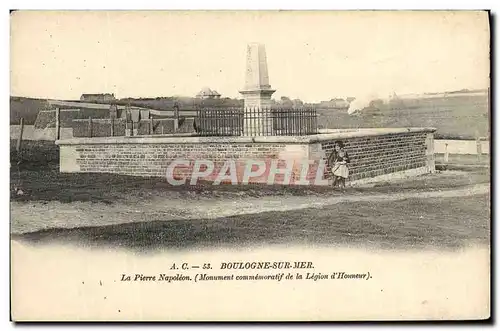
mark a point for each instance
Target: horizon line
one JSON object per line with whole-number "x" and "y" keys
{"x": 464, "y": 90}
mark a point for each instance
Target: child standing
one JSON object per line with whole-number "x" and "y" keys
{"x": 339, "y": 159}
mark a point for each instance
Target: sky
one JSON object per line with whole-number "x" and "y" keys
{"x": 314, "y": 56}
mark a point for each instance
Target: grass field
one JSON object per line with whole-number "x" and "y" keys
{"x": 457, "y": 117}
{"x": 463, "y": 160}
{"x": 26, "y": 108}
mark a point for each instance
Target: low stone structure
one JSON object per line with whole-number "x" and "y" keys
{"x": 375, "y": 154}
{"x": 74, "y": 122}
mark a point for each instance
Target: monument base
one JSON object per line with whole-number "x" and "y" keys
{"x": 373, "y": 153}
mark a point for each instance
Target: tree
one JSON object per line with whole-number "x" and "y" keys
{"x": 286, "y": 102}
{"x": 297, "y": 103}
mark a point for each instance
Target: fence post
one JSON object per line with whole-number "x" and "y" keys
{"x": 176, "y": 117}
{"x": 58, "y": 123}
{"x": 478, "y": 146}
{"x": 20, "y": 138}
{"x": 151, "y": 128}
{"x": 112, "y": 126}
{"x": 128, "y": 118}
{"x": 198, "y": 121}
{"x": 446, "y": 153}
{"x": 90, "y": 127}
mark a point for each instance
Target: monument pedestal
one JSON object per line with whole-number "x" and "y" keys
{"x": 257, "y": 94}
{"x": 257, "y": 114}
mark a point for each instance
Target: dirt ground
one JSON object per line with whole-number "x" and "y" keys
{"x": 38, "y": 215}
{"x": 447, "y": 209}
{"x": 442, "y": 218}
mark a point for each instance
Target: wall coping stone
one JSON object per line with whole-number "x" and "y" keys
{"x": 193, "y": 139}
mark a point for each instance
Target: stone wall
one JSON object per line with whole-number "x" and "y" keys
{"x": 152, "y": 160}
{"x": 47, "y": 118}
{"x": 379, "y": 155}
{"x": 461, "y": 147}
{"x": 373, "y": 153}
{"x": 102, "y": 127}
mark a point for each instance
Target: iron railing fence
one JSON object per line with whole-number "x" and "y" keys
{"x": 256, "y": 121}
{"x": 219, "y": 121}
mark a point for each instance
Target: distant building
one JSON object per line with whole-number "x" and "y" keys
{"x": 98, "y": 97}
{"x": 207, "y": 93}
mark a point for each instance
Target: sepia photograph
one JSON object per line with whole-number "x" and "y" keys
{"x": 230, "y": 165}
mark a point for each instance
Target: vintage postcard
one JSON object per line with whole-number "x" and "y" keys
{"x": 250, "y": 165}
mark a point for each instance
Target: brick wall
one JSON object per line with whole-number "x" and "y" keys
{"x": 371, "y": 154}
{"x": 380, "y": 155}
{"x": 152, "y": 160}
{"x": 166, "y": 126}
{"x": 100, "y": 127}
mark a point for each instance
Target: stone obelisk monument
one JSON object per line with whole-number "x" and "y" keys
{"x": 257, "y": 92}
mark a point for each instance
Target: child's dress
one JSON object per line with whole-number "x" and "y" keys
{"x": 340, "y": 168}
